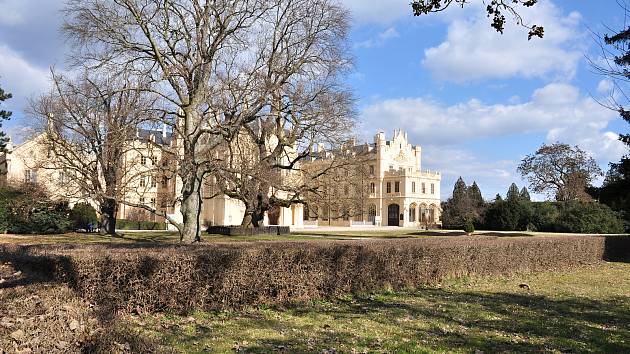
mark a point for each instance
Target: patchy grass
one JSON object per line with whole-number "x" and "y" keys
{"x": 404, "y": 233}
{"x": 586, "y": 310}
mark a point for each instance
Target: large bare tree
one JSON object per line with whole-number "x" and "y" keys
{"x": 302, "y": 47}
{"x": 203, "y": 60}
{"x": 561, "y": 171}
{"x": 90, "y": 123}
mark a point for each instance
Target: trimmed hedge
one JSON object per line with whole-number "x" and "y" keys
{"x": 249, "y": 231}
{"x": 123, "y": 224}
{"x": 178, "y": 277}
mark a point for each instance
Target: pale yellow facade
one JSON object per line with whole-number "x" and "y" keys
{"x": 399, "y": 192}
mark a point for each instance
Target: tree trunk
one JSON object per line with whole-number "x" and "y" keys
{"x": 247, "y": 217}
{"x": 109, "y": 209}
{"x": 191, "y": 210}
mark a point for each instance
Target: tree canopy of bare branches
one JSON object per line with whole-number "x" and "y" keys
{"x": 89, "y": 121}
{"x": 215, "y": 65}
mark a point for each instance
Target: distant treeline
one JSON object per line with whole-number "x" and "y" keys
{"x": 518, "y": 213}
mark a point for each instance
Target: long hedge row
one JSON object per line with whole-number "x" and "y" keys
{"x": 225, "y": 275}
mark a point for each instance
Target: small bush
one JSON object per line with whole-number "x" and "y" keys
{"x": 469, "y": 228}
{"x": 83, "y": 214}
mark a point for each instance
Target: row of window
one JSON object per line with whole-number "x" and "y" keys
{"x": 152, "y": 201}
{"x": 152, "y": 182}
{"x": 388, "y": 187}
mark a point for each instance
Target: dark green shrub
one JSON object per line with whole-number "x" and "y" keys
{"x": 29, "y": 210}
{"x": 585, "y": 217}
{"x": 82, "y": 215}
{"x": 511, "y": 215}
{"x": 469, "y": 228}
{"x": 544, "y": 216}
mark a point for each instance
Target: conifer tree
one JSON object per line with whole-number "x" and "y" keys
{"x": 474, "y": 193}
{"x": 525, "y": 195}
{"x": 4, "y": 115}
{"x": 513, "y": 194}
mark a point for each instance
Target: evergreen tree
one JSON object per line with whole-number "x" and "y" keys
{"x": 525, "y": 195}
{"x": 615, "y": 192}
{"x": 513, "y": 194}
{"x": 466, "y": 205}
{"x": 459, "y": 190}
{"x": 4, "y": 115}
{"x": 474, "y": 193}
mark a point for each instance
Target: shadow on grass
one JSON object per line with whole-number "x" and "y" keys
{"x": 437, "y": 319}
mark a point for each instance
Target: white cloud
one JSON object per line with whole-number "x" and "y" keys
{"x": 452, "y": 162}
{"x": 557, "y": 111}
{"x": 378, "y": 11}
{"x": 12, "y": 12}
{"x": 379, "y": 39}
{"x": 605, "y": 86}
{"x": 472, "y": 51}
{"x": 20, "y": 77}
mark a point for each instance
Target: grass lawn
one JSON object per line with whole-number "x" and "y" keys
{"x": 140, "y": 236}
{"x": 586, "y": 310}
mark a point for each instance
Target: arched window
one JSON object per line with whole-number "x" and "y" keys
{"x": 372, "y": 213}
{"x": 412, "y": 212}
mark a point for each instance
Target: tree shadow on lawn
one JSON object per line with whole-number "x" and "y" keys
{"x": 491, "y": 322}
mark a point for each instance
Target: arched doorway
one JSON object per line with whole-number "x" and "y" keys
{"x": 274, "y": 215}
{"x": 393, "y": 211}
{"x": 412, "y": 212}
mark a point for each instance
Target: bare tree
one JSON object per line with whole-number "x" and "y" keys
{"x": 90, "y": 123}
{"x": 339, "y": 184}
{"x": 302, "y": 47}
{"x": 561, "y": 171}
{"x": 204, "y": 60}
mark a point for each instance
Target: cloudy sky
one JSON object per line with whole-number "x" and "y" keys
{"x": 476, "y": 101}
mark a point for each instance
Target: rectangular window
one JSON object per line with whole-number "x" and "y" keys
{"x": 143, "y": 160}
{"x": 397, "y": 187}
{"x": 153, "y": 182}
{"x": 389, "y": 187}
{"x": 424, "y": 188}
{"x": 143, "y": 182}
{"x": 153, "y": 202}
{"x": 164, "y": 181}
{"x": 372, "y": 188}
{"x": 432, "y": 188}
{"x": 371, "y": 169}
{"x": 413, "y": 187}
{"x": 141, "y": 200}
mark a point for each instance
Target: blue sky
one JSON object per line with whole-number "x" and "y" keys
{"x": 476, "y": 101}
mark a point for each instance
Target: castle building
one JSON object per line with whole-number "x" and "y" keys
{"x": 391, "y": 189}
{"x": 387, "y": 187}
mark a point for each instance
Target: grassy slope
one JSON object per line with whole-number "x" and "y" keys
{"x": 587, "y": 310}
